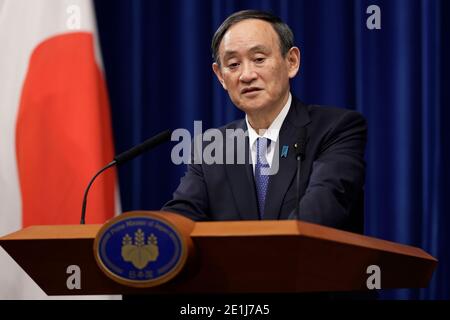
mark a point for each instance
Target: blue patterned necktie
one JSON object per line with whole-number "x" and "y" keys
{"x": 261, "y": 173}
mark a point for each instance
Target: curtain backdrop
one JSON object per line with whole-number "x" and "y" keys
{"x": 158, "y": 67}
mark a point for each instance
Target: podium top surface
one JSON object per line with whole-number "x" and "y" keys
{"x": 290, "y": 256}
{"x": 214, "y": 229}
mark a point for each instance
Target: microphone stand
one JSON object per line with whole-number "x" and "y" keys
{"x": 83, "y": 209}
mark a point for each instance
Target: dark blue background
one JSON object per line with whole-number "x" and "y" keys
{"x": 158, "y": 67}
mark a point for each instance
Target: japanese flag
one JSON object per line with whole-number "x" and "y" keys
{"x": 55, "y": 124}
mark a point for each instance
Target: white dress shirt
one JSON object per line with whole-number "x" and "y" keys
{"x": 271, "y": 134}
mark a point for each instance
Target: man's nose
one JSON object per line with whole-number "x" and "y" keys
{"x": 248, "y": 73}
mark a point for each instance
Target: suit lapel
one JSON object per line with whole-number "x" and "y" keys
{"x": 242, "y": 184}
{"x": 279, "y": 183}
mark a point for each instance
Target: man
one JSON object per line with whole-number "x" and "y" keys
{"x": 254, "y": 59}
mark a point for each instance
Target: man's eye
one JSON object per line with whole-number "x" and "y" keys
{"x": 260, "y": 60}
{"x": 233, "y": 65}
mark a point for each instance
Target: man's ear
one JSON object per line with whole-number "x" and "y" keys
{"x": 218, "y": 72}
{"x": 293, "y": 61}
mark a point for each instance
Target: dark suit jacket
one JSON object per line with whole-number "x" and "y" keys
{"x": 331, "y": 184}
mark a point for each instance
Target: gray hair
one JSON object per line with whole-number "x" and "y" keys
{"x": 285, "y": 34}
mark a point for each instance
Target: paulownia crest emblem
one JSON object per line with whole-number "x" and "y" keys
{"x": 141, "y": 251}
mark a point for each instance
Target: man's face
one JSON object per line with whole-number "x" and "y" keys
{"x": 252, "y": 68}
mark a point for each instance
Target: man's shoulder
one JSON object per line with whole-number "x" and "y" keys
{"x": 321, "y": 115}
{"x": 331, "y": 112}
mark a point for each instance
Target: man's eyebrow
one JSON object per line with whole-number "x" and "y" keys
{"x": 257, "y": 48}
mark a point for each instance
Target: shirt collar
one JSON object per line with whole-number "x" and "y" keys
{"x": 273, "y": 131}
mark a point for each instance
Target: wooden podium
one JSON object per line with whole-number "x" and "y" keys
{"x": 229, "y": 257}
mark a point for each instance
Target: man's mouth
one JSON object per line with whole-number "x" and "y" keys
{"x": 250, "y": 89}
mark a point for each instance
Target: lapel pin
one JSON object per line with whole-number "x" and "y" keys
{"x": 284, "y": 151}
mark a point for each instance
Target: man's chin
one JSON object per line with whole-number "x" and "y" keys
{"x": 252, "y": 105}
{"x": 252, "y": 108}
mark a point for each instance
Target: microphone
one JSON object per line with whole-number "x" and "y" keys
{"x": 132, "y": 153}
{"x": 300, "y": 149}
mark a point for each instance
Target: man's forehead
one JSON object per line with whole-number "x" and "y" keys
{"x": 248, "y": 35}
